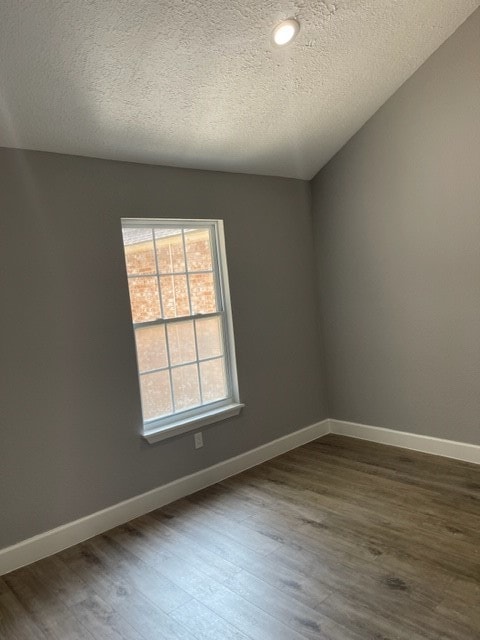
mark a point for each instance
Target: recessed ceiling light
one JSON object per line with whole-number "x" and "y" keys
{"x": 285, "y": 32}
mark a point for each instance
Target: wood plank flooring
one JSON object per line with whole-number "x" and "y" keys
{"x": 337, "y": 540}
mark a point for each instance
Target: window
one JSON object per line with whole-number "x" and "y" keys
{"x": 179, "y": 298}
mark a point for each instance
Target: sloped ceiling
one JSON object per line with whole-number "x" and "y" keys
{"x": 197, "y": 83}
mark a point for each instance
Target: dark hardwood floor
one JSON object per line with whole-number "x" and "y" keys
{"x": 338, "y": 540}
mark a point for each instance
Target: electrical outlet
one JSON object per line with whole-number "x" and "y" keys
{"x": 198, "y": 438}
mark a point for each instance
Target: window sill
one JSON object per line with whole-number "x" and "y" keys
{"x": 184, "y": 426}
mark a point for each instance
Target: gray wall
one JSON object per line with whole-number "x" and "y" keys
{"x": 69, "y": 405}
{"x": 397, "y": 231}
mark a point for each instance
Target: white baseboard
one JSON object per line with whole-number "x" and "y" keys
{"x": 53, "y": 541}
{"x": 426, "y": 444}
{"x": 50, "y": 542}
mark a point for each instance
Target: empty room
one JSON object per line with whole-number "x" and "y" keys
{"x": 240, "y": 320}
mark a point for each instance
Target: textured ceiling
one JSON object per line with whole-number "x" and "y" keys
{"x": 196, "y": 83}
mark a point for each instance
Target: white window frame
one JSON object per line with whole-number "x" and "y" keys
{"x": 182, "y": 422}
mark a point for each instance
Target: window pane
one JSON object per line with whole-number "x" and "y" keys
{"x": 181, "y": 342}
{"x": 185, "y": 387}
{"x": 214, "y": 385}
{"x": 209, "y": 337}
{"x": 144, "y": 298}
{"x": 199, "y": 251}
{"x": 156, "y": 397}
{"x": 151, "y": 348}
{"x": 170, "y": 256}
{"x": 174, "y": 296}
{"x": 202, "y": 292}
{"x": 139, "y": 253}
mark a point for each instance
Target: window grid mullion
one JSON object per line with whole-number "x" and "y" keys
{"x": 186, "y": 272}
{"x": 198, "y": 361}
{"x": 170, "y": 366}
{"x": 171, "y": 273}
{"x": 172, "y": 398}
{"x": 191, "y": 313}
